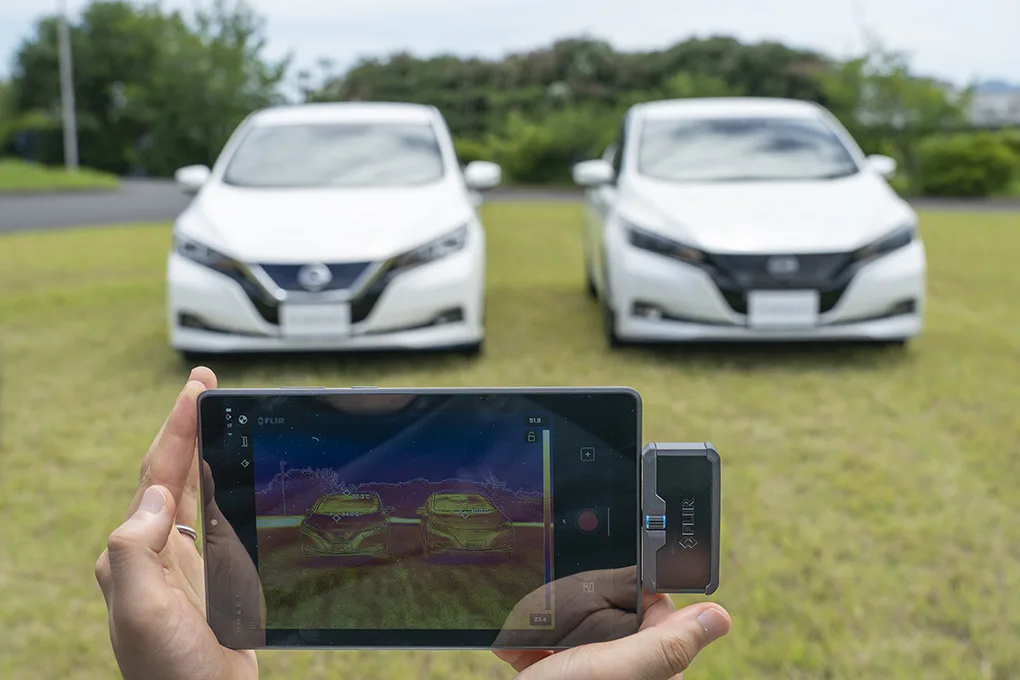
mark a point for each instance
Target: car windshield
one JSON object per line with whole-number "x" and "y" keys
{"x": 337, "y": 155}
{"x": 742, "y": 149}
{"x": 463, "y": 504}
{"x": 361, "y": 503}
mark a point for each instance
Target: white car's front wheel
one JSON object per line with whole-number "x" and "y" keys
{"x": 609, "y": 315}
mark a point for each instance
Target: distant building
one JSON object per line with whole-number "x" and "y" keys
{"x": 995, "y": 107}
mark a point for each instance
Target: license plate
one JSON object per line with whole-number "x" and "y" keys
{"x": 782, "y": 309}
{"x": 311, "y": 321}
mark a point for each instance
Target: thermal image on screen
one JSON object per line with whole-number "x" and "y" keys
{"x": 441, "y": 521}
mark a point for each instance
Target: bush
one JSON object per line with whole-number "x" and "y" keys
{"x": 1011, "y": 138}
{"x": 469, "y": 150}
{"x": 965, "y": 165}
{"x": 544, "y": 152}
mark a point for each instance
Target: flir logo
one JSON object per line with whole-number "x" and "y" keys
{"x": 687, "y": 524}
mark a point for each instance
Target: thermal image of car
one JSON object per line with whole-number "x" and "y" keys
{"x": 464, "y": 522}
{"x": 353, "y": 524}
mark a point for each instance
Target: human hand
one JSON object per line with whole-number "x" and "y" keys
{"x": 663, "y": 648}
{"x": 152, "y": 575}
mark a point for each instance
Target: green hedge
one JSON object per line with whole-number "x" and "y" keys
{"x": 542, "y": 151}
{"x": 966, "y": 165}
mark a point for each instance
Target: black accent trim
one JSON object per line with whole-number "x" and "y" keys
{"x": 344, "y": 275}
{"x": 362, "y": 306}
{"x": 197, "y": 323}
{"x": 736, "y": 275}
{"x": 267, "y": 308}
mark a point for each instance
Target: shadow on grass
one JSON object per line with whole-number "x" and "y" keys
{"x": 775, "y": 355}
{"x": 381, "y": 363}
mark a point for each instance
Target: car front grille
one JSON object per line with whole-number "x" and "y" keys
{"x": 736, "y": 275}
{"x": 344, "y": 275}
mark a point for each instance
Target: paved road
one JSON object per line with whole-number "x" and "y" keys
{"x": 138, "y": 200}
{"x": 145, "y": 200}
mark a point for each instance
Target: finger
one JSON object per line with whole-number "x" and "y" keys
{"x": 521, "y": 659}
{"x": 655, "y": 609}
{"x": 133, "y": 551}
{"x": 187, "y": 508}
{"x": 657, "y": 653}
{"x": 103, "y": 575}
{"x": 169, "y": 459}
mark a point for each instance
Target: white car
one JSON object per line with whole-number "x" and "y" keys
{"x": 331, "y": 227}
{"x": 748, "y": 219}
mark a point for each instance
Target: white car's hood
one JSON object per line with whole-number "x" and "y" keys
{"x": 769, "y": 217}
{"x": 323, "y": 225}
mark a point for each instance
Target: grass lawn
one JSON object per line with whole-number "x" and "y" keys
{"x": 20, "y": 177}
{"x": 870, "y": 505}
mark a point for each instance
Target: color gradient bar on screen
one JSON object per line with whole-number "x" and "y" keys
{"x": 547, "y": 500}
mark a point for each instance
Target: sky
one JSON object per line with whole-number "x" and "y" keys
{"x": 950, "y": 39}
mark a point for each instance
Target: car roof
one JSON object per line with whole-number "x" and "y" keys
{"x": 727, "y": 107}
{"x": 344, "y": 112}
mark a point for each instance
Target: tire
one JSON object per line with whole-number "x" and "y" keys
{"x": 425, "y": 552}
{"x": 193, "y": 358}
{"x": 473, "y": 349}
{"x": 589, "y": 283}
{"x": 609, "y": 326}
{"x": 609, "y": 317}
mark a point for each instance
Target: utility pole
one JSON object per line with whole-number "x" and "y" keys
{"x": 70, "y": 122}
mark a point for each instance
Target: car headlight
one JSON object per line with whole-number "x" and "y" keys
{"x": 435, "y": 250}
{"x": 202, "y": 254}
{"x": 898, "y": 238}
{"x": 660, "y": 245}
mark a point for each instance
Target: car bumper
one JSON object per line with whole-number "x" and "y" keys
{"x": 436, "y": 305}
{"x": 499, "y": 544}
{"x": 658, "y": 299}
{"x": 342, "y": 549}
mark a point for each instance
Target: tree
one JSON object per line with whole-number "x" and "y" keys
{"x": 144, "y": 77}
{"x": 209, "y": 77}
{"x": 14, "y": 123}
{"x": 888, "y": 109}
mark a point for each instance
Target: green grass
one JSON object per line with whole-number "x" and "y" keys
{"x": 870, "y": 506}
{"x": 21, "y": 177}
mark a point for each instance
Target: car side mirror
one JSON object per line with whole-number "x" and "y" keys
{"x": 482, "y": 175}
{"x": 882, "y": 165}
{"x": 192, "y": 178}
{"x": 593, "y": 173}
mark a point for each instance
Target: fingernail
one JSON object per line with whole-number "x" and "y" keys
{"x": 715, "y": 624}
{"x": 153, "y": 500}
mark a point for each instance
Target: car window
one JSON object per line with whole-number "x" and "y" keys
{"x": 733, "y": 149}
{"x": 463, "y": 503}
{"x": 336, "y": 155}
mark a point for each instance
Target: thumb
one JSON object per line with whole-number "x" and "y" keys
{"x": 656, "y": 653}
{"x": 136, "y": 568}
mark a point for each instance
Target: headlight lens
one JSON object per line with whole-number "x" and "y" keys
{"x": 440, "y": 248}
{"x": 900, "y": 237}
{"x": 654, "y": 243}
{"x": 202, "y": 254}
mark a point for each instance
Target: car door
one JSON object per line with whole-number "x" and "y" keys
{"x": 601, "y": 201}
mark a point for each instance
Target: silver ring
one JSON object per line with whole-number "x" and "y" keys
{"x": 187, "y": 531}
